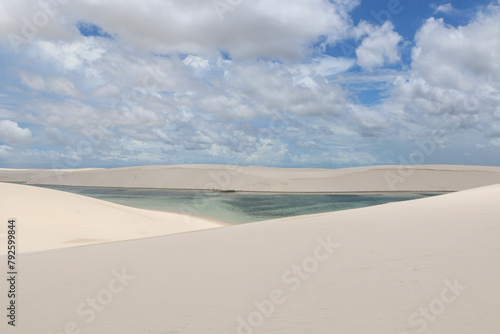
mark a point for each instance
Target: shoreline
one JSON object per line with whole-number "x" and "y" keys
{"x": 244, "y": 191}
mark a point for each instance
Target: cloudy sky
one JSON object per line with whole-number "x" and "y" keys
{"x": 293, "y": 83}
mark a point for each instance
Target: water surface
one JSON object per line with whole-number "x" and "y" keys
{"x": 238, "y": 207}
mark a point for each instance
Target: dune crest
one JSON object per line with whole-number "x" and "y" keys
{"x": 269, "y": 179}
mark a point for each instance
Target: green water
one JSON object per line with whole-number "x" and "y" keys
{"x": 238, "y": 207}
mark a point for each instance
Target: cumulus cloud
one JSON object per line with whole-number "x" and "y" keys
{"x": 12, "y": 134}
{"x": 195, "y": 26}
{"x": 197, "y": 62}
{"x": 72, "y": 55}
{"x": 26, "y": 21}
{"x": 455, "y": 77}
{"x": 379, "y": 47}
{"x": 450, "y": 56}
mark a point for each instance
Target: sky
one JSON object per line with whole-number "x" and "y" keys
{"x": 288, "y": 83}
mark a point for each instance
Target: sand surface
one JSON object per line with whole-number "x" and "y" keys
{"x": 32, "y": 174}
{"x": 253, "y": 178}
{"x": 424, "y": 266}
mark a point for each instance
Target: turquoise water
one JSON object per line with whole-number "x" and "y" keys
{"x": 238, "y": 207}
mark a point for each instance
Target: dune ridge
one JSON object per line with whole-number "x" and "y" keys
{"x": 269, "y": 179}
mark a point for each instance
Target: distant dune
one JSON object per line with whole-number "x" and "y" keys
{"x": 267, "y": 179}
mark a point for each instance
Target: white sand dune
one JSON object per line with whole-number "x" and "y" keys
{"x": 50, "y": 219}
{"x": 253, "y": 178}
{"x": 32, "y": 174}
{"x": 423, "y": 266}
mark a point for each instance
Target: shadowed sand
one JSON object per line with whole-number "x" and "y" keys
{"x": 254, "y": 178}
{"x": 430, "y": 265}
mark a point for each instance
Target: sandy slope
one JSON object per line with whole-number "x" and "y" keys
{"x": 254, "y": 178}
{"x": 430, "y": 265}
{"x": 55, "y": 219}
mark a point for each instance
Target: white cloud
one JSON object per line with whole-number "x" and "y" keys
{"x": 107, "y": 90}
{"x": 59, "y": 85}
{"x": 461, "y": 59}
{"x": 197, "y": 62}
{"x": 12, "y": 134}
{"x": 194, "y": 26}
{"x": 370, "y": 122}
{"x": 379, "y": 47}
{"x": 33, "y": 81}
{"x": 449, "y": 56}
{"x": 325, "y": 66}
{"x": 446, "y": 8}
{"x": 22, "y": 22}
{"x": 265, "y": 151}
{"x": 454, "y": 84}
{"x": 62, "y": 86}
{"x": 74, "y": 54}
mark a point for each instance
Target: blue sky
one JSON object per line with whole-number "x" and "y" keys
{"x": 297, "y": 83}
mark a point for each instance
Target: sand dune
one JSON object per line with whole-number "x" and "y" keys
{"x": 50, "y": 219}
{"x": 253, "y": 178}
{"x": 31, "y": 175}
{"x": 424, "y": 266}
